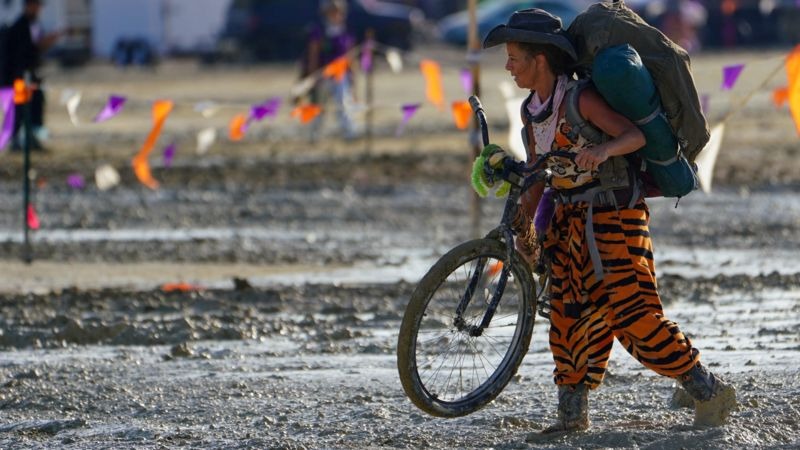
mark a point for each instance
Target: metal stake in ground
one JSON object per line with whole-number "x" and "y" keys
{"x": 27, "y": 254}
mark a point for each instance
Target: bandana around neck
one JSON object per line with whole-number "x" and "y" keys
{"x": 544, "y": 131}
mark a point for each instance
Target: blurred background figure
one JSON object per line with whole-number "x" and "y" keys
{"x": 682, "y": 22}
{"x": 329, "y": 40}
{"x": 26, "y": 43}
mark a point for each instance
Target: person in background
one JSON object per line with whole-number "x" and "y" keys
{"x": 603, "y": 283}
{"x": 329, "y": 40}
{"x": 682, "y": 21}
{"x": 26, "y": 43}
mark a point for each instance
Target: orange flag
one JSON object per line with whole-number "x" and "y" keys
{"x": 237, "y": 127}
{"x": 793, "y": 72}
{"x": 780, "y": 96}
{"x": 180, "y": 287}
{"x": 141, "y": 166}
{"x": 306, "y": 113}
{"x": 337, "y": 69}
{"x": 433, "y": 81}
{"x": 21, "y": 92}
{"x": 462, "y": 112}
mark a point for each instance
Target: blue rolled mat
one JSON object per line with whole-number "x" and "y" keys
{"x": 624, "y": 82}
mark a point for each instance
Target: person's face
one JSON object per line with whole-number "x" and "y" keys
{"x": 521, "y": 65}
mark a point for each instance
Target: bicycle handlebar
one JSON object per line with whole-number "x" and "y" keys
{"x": 477, "y": 108}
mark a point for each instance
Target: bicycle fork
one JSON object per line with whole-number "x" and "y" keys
{"x": 477, "y": 274}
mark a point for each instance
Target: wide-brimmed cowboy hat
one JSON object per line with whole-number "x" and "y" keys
{"x": 533, "y": 25}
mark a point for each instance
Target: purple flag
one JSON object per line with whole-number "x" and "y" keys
{"x": 408, "y": 112}
{"x": 76, "y": 181}
{"x": 169, "y": 153}
{"x": 366, "y": 56}
{"x": 466, "y": 81}
{"x": 267, "y": 109}
{"x": 112, "y": 108}
{"x": 7, "y": 105}
{"x": 729, "y": 76}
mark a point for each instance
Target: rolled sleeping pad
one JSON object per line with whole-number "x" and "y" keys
{"x": 624, "y": 82}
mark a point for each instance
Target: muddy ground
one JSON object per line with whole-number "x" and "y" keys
{"x": 301, "y": 258}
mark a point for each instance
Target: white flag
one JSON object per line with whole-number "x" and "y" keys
{"x": 205, "y": 139}
{"x": 708, "y": 157}
{"x": 395, "y": 60}
{"x": 106, "y": 177}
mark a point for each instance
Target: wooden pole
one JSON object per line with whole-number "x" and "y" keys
{"x": 473, "y": 53}
{"x": 369, "y": 46}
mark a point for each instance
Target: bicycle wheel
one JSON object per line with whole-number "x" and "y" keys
{"x": 446, "y": 370}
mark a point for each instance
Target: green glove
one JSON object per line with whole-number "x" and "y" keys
{"x": 480, "y": 179}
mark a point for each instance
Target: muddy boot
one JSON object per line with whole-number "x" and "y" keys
{"x": 714, "y": 398}
{"x": 573, "y": 409}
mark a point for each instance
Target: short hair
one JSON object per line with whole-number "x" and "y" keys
{"x": 559, "y": 61}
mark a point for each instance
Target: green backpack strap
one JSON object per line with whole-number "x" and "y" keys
{"x": 579, "y": 125}
{"x": 614, "y": 173}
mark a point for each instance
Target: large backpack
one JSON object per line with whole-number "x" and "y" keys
{"x": 604, "y": 25}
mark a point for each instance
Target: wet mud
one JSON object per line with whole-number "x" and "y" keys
{"x": 304, "y": 357}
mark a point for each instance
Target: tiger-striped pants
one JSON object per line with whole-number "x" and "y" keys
{"x": 587, "y": 315}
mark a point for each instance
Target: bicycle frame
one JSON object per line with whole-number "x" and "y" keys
{"x": 521, "y": 177}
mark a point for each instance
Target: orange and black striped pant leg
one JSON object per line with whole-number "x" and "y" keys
{"x": 587, "y": 315}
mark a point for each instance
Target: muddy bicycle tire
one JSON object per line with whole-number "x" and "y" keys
{"x": 432, "y": 377}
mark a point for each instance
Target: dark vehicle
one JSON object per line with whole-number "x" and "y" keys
{"x": 490, "y": 13}
{"x": 258, "y": 30}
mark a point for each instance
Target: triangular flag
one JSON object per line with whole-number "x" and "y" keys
{"x": 462, "y": 113}
{"x": 72, "y": 108}
{"x": 71, "y": 99}
{"x": 707, "y": 158}
{"x": 395, "y": 60}
{"x": 408, "y": 112}
{"x": 21, "y": 92}
{"x": 267, "y": 109}
{"x": 300, "y": 89}
{"x": 7, "y": 105}
{"x": 433, "y": 82}
{"x": 169, "y": 154}
{"x": 205, "y": 139}
{"x": 236, "y": 128}
{"x": 793, "y": 72}
{"x": 780, "y": 96}
{"x": 141, "y": 166}
{"x": 113, "y": 107}
{"x": 306, "y": 113}
{"x": 730, "y": 74}
{"x": 76, "y": 181}
{"x": 466, "y": 81}
{"x": 33, "y": 218}
{"x": 337, "y": 69}
{"x": 106, "y": 177}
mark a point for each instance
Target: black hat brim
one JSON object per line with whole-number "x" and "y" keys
{"x": 502, "y": 34}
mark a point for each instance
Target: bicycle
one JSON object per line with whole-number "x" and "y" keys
{"x": 455, "y": 352}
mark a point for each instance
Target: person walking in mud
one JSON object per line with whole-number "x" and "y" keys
{"x": 590, "y": 306}
{"x": 329, "y": 40}
{"x": 25, "y": 44}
